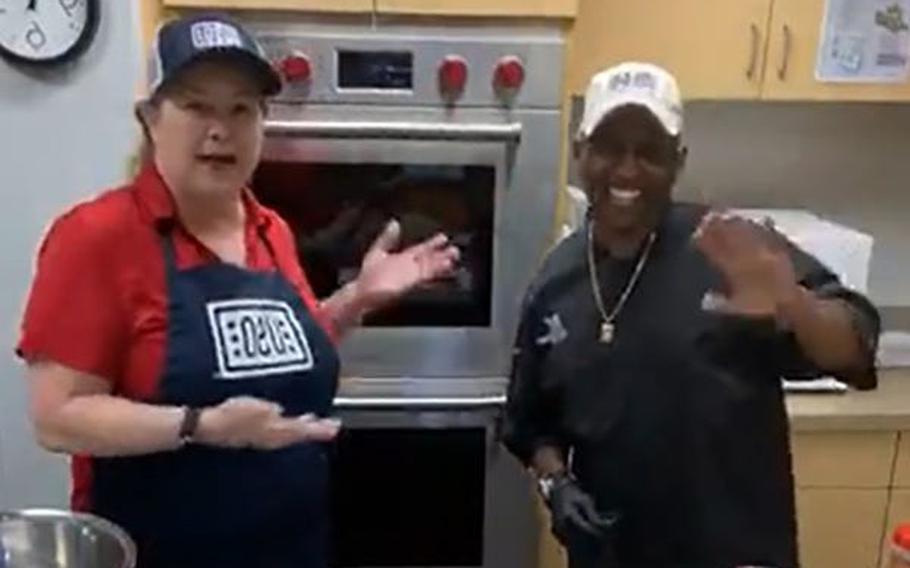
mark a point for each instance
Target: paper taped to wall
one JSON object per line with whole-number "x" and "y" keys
{"x": 864, "y": 41}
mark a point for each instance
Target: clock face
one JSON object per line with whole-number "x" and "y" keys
{"x": 46, "y": 31}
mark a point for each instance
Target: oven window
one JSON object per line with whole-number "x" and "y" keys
{"x": 337, "y": 210}
{"x": 408, "y": 497}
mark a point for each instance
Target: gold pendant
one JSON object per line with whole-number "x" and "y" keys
{"x": 607, "y": 331}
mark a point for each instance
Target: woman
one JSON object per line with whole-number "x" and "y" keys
{"x": 645, "y": 391}
{"x": 173, "y": 342}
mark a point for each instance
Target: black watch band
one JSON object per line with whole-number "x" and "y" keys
{"x": 189, "y": 424}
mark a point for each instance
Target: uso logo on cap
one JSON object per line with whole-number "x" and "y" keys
{"x": 256, "y": 338}
{"x": 209, "y": 35}
{"x": 642, "y": 80}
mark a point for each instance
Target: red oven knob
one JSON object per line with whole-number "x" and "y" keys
{"x": 296, "y": 68}
{"x": 453, "y": 76}
{"x": 510, "y": 74}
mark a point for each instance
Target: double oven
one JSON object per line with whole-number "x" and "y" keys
{"x": 452, "y": 129}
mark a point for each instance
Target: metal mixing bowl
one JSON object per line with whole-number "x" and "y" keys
{"x": 45, "y": 538}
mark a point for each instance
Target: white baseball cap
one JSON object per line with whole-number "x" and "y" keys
{"x": 633, "y": 83}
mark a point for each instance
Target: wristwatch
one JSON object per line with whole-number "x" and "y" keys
{"x": 188, "y": 425}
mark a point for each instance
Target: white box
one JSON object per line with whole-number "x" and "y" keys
{"x": 844, "y": 250}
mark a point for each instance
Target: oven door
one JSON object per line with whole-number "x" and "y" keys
{"x": 425, "y": 484}
{"x": 337, "y": 182}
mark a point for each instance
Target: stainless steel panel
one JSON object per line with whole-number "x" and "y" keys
{"x": 539, "y": 47}
{"x": 396, "y": 130}
{"x": 408, "y": 403}
{"x": 400, "y": 387}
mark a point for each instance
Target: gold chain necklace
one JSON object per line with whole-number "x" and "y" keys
{"x": 607, "y": 327}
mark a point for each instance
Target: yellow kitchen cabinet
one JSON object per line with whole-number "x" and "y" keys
{"x": 550, "y": 554}
{"x": 515, "y": 8}
{"x": 715, "y": 48}
{"x": 902, "y": 463}
{"x": 522, "y": 8}
{"x": 840, "y": 528}
{"x": 792, "y": 53}
{"x": 718, "y": 49}
{"x": 302, "y": 5}
{"x": 843, "y": 459}
{"x": 898, "y": 512}
{"x": 151, "y": 13}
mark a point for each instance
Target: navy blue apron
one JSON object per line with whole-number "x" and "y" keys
{"x": 232, "y": 332}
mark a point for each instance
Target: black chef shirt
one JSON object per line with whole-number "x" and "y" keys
{"x": 679, "y": 423}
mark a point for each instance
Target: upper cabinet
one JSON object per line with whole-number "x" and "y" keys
{"x": 714, "y": 47}
{"x": 792, "y": 53}
{"x": 495, "y": 8}
{"x": 718, "y": 49}
{"x": 303, "y": 5}
{"x": 515, "y": 8}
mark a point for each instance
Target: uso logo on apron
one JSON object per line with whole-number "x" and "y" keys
{"x": 256, "y": 338}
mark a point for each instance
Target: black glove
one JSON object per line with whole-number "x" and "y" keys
{"x": 573, "y": 511}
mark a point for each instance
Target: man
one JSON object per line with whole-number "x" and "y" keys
{"x": 645, "y": 392}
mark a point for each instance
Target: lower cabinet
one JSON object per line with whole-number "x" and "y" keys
{"x": 840, "y": 528}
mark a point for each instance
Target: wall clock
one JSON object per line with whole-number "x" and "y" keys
{"x": 46, "y": 32}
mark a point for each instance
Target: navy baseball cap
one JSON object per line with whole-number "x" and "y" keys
{"x": 204, "y": 37}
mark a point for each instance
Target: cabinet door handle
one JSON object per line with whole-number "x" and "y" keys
{"x": 753, "y": 56}
{"x": 785, "y": 56}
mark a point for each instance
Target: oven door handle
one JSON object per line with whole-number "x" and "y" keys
{"x": 479, "y": 132}
{"x": 421, "y": 402}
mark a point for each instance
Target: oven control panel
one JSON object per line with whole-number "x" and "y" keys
{"x": 416, "y": 66}
{"x": 380, "y": 70}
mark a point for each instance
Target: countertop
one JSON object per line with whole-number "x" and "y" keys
{"x": 885, "y": 408}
